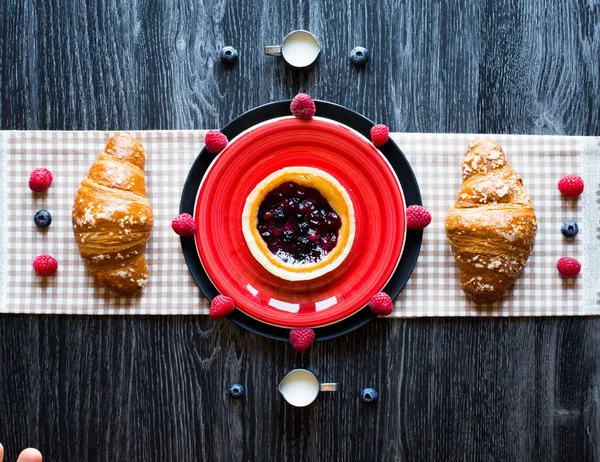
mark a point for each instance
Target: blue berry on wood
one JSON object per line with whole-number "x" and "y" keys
{"x": 228, "y": 55}
{"x": 236, "y": 390}
{"x": 368, "y": 395}
{"x": 359, "y": 56}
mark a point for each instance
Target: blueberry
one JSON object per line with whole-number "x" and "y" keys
{"x": 290, "y": 207}
{"x": 315, "y": 217}
{"x": 359, "y": 56}
{"x": 228, "y": 55}
{"x": 368, "y": 395}
{"x": 279, "y": 215}
{"x": 306, "y": 207}
{"x": 266, "y": 235}
{"x": 236, "y": 390}
{"x": 303, "y": 243}
{"x": 288, "y": 236}
{"x": 303, "y": 227}
{"x": 569, "y": 229}
{"x": 42, "y": 218}
{"x": 333, "y": 220}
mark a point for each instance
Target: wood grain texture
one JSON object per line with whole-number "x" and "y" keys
{"x": 155, "y": 389}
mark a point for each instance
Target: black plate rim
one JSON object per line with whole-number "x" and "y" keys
{"x": 361, "y": 124}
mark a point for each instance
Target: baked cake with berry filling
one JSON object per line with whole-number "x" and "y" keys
{"x": 299, "y": 223}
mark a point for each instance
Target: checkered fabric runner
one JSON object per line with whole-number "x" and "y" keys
{"x": 433, "y": 289}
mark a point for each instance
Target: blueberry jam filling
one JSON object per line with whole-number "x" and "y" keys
{"x": 298, "y": 224}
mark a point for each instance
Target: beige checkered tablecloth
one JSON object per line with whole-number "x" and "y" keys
{"x": 433, "y": 289}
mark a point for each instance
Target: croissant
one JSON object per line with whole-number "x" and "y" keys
{"x": 492, "y": 226}
{"x": 112, "y": 218}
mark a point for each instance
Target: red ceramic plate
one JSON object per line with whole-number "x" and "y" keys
{"x": 380, "y": 221}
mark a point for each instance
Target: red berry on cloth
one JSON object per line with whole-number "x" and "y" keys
{"x": 379, "y": 134}
{"x": 417, "y": 217}
{"x": 302, "y": 339}
{"x": 568, "y": 267}
{"x": 45, "y": 265}
{"x": 220, "y": 307}
{"x": 570, "y": 185}
{"x": 184, "y": 225}
{"x": 215, "y": 141}
{"x": 40, "y": 179}
{"x": 381, "y": 304}
{"x": 303, "y": 106}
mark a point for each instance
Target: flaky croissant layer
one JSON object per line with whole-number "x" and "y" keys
{"x": 112, "y": 218}
{"x": 492, "y": 226}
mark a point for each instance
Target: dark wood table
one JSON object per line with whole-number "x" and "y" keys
{"x": 155, "y": 388}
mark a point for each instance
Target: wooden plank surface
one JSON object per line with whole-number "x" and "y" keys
{"x": 155, "y": 389}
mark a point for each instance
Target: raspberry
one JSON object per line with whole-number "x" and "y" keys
{"x": 379, "y": 134}
{"x": 570, "y": 185}
{"x": 417, "y": 217}
{"x": 40, "y": 180}
{"x": 215, "y": 141}
{"x": 381, "y": 304}
{"x": 220, "y": 307}
{"x": 303, "y": 106}
{"x": 45, "y": 265}
{"x": 302, "y": 339}
{"x": 568, "y": 267}
{"x": 184, "y": 225}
